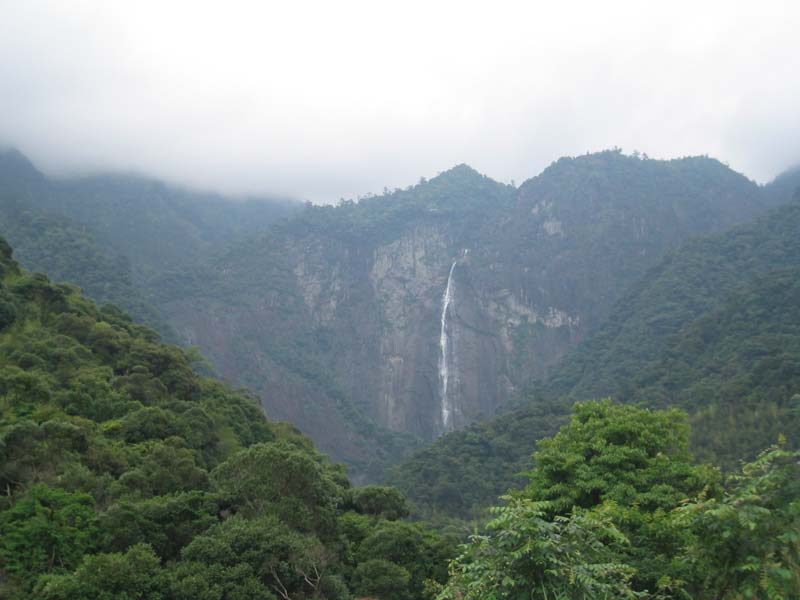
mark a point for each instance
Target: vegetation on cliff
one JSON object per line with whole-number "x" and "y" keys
{"x": 712, "y": 329}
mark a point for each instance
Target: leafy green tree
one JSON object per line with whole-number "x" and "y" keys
{"x": 20, "y": 388}
{"x": 33, "y": 452}
{"x": 410, "y": 546}
{"x": 636, "y": 461}
{"x": 380, "y": 500}
{"x": 528, "y": 554}
{"x": 148, "y": 424}
{"x": 8, "y": 312}
{"x": 46, "y": 530}
{"x": 596, "y": 519}
{"x": 619, "y": 453}
{"x": 134, "y": 575}
{"x": 280, "y": 479}
{"x": 287, "y": 562}
{"x": 202, "y": 581}
{"x": 164, "y": 468}
{"x": 380, "y": 578}
{"x": 166, "y": 523}
{"x": 747, "y": 543}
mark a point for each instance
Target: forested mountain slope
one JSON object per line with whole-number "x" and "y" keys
{"x": 124, "y": 474}
{"x": 377, "y": 325}
{"x": 363, "y": 311}
{"x": 112, "y": 234}
{"x": 713, "y": 328}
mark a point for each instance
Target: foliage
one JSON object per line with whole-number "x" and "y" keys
{"x": 526, "y": 555}
{"x": 46, "y": 529}
{"x": 617, "y": 453}
{"x": 382, "y": 579}
{"x": 280, "y": 479}
{"x": 379, "y": 500}
{"x": 133, "y": 575}
{"x": 125, "y": 474}
{"x": 454, "y": 480}
{"x": 636, "y": 464}
{"x": 650, "y": 528}
{"x": 747, "y": 543}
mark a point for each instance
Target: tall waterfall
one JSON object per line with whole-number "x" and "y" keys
{"x": 445, "y": 348}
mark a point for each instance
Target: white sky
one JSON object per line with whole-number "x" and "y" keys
{"x": 341, "y": 98}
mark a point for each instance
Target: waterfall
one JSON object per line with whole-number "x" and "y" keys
{"x": 445, "y": 348}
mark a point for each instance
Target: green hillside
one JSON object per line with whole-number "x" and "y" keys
{"x": 113, "y": 234}
{"x": 124, "y": 474}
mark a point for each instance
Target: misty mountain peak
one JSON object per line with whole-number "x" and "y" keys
{"x": 460, "y": 170}
{"x": 15, "y": 165}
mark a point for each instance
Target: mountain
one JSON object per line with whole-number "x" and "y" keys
{"x": 124, "y": 474}
{"x": 378, "y": 325}
{"x": 712, "y": 328}
{"x": 112, "y": 233}
{"x": 343, "y": 308}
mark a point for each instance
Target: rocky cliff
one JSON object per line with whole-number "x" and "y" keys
{"x": 419, "y": 311}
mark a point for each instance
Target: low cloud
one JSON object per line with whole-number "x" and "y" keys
{"x": 327, "y": 100}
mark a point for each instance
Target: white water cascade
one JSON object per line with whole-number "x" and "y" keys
{"x": 446, "y": 348}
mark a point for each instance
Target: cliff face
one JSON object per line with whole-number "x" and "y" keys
{"x": 418, "y": 312}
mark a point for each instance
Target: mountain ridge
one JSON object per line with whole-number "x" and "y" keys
{"x": 340, "y": 307}
{"x": 712, "y": 328}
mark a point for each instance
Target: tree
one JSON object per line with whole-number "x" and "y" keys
{"x": 277, "y": 478}
{"x": 134, "y": 575}
{"x": 747, "y": 543}
{"x": 409, "y": 546}
{"x": 637, "y": 463}
{"x": 166, "y": 523}
{"x": 620, "y": 453}
{"x": 46, "y": 530}
{"x": 380, "y": 500}
{"x": 382, "y": 579}
{"x": 287, "y": 562}
{"x": 596, "y": 517}
{"x": 526, "y": 554}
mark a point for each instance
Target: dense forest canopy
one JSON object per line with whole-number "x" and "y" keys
{"x": 615, "y": 508}
{"x": 124, "y": 474}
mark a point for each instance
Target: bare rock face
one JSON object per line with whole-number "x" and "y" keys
{"x": 405, "y": 277}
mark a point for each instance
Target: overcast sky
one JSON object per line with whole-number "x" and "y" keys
{"x": 339, "y": 98}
